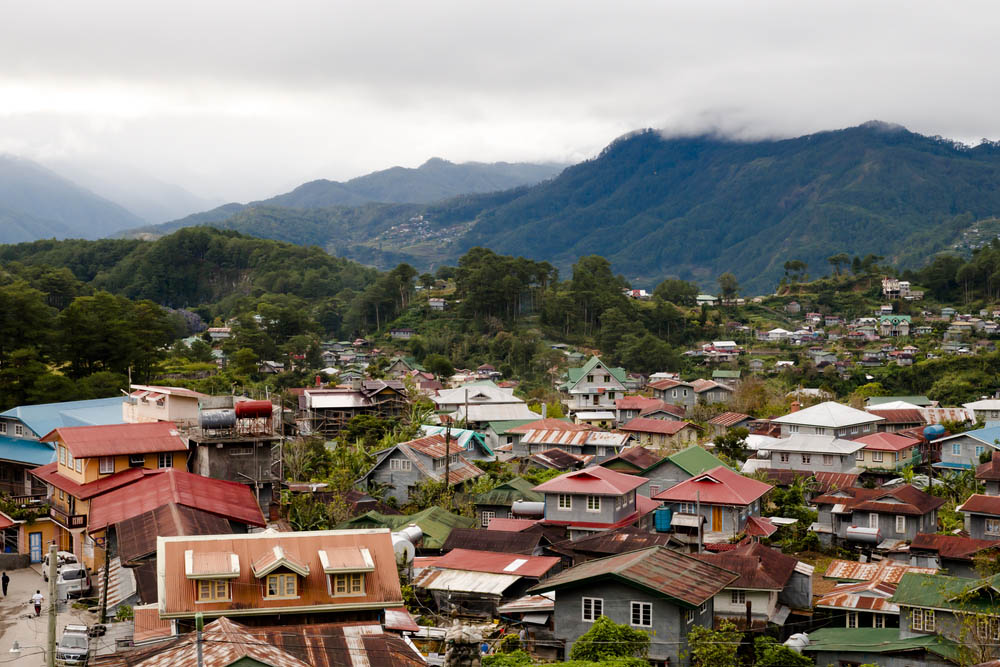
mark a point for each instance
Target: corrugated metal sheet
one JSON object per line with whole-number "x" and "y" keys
{"x": 514, "y": 542}
{"x": 981, "y": 504}
{"x": 119, "y": 439}
{"x": 886, "y": 571}
{"x": 147, "y": 624}
{"x": 177, "y": 596}
{"x": 529, "y": 603}
{"x": 497, "y": 563}
{"x": 137, "y": 535}
{"x": 595, "y": 481}
{"x": 462, "y": 581}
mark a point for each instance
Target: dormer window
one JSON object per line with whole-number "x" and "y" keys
{"x": 280, "y": 571}
{"x": 281, "y": 585}
{"x": 345, "y": 569}
{"x": 136, "y": 460}
{"x": 211, "y": 572}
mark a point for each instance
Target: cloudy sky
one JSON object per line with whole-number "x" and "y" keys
{"x": 241, "y": 100}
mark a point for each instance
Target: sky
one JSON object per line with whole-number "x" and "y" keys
{"x": 236, "y": 101}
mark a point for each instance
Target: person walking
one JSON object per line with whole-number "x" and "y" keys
{"x": 4, "y": 581}
{"x": 37, "y": 599}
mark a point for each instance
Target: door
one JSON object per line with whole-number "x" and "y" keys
{"x": 716, "y": 519}
{"x": 35, "y": 547}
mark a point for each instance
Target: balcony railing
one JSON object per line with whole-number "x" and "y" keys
{"x": 68, "y": 520}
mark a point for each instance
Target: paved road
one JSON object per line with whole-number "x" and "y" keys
{"x": 18, "y": 622}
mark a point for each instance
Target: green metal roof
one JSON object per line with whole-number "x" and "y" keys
{"x": 505, "y": 494}
{"x": 921, "y": 401}
{"x": 576, "y": 374}
{"x": 940, "y": 591}
{"x": 437, "y": 523}
{"x": 503, "y": 426}
{"x": 694, "y": 460}
{"x": 877, "y": 640}
{"x": 726, "y": 375}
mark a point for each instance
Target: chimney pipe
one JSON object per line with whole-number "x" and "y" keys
{"x": 796, "y": 406}
{"x": 319, "y": 381}
{"x": 545, "y": 410}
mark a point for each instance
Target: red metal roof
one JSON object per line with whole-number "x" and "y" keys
{"x": 5, "y": 521}
{"x": 434, "y": 446}
{"x": 513, "y": 525}
{"x": 906, "y": 499}
{"x": 118, "y": 439}
{"x": 496, "y": 562}
{"x": 889, "y": 442}
{"x": 638, "y": 456}
{"x": 663, "y": 426}
{"x": 47, "y": 473}
{"x": 912, "y": 416}
{"x": 596, "y": 481}
{"x": 758, "y": 526}
{"x": 989, "y": 470}
{"x": 955, "y": 547}
{"x": 667, "y": 384}
{"x": 231, "y": 500}
{"x": 676, "y": 410}
{"x": 980, "y": 504}
{"x": 718, "y": 486}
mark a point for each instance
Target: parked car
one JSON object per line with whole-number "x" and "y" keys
{"x": 62, "y": 558}
{"x": 74, "y": 580}
{"x": 74, "y": 646}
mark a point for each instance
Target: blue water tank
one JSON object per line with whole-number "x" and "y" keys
{"x": 661, "y": 518}
{"x": 934, "y": 431}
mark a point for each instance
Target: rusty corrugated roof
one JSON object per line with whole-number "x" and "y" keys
{"x": 989, "y": 470}
{"x": 496, "y": 562}
{"x": 513, "y": 542}
{"x": 118, "y": 439}
{"x": 883, "y": 571}
{"x": 176, "y": 594}
{"x": 137, "y": 535}
{"x": 669, "y": 573}
{"x": 147, "y": 624}
{"x": 981, "y": 504}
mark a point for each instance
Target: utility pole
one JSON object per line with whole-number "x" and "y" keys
{"x": 50, "y": 654}
{"x": 697, "y": 511}
{"x": 447, "y": 454}
{"x": 104, "y": 593}
{"x": 199, "y": 622}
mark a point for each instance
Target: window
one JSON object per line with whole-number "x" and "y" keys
{"x": 873, "y": 520}
{"x": 400, "y": 464}
{"x": 510, "y": 515}
{"x": 807, "y": 458}
{"x": 593, "y": 608}
{"x": 922, "y": 619}
{"x": 136, "y": 460}
{"x": 590, "y": 378}
{"x": 18, "y": 429}
{"x": 107, "y": 465}
{"x": 213, "y": 590}
{"x": 686, "y": 508}
{"x": 165, "y": 460}
{"x": 703, "y": 608}
{"x": 827, "y": 460}
{"x": 820, "y": 430}
{"x": 454, "y": 458}
{"x": 3, "y": 428}
{"x": 62, "y": 455}
{"x": 438, "y": 463}
{"x": 854, "y": 429}
{"x": 510, "y": 439}
{"x": 674, "y": 393}
{"x": 654, "y": 489}
{"x": 852, "y": 619}
{"x": 281, "y": 586}
{"x": 241, "y": 451}
{"x": 487, "y": 517}
{"x": 79, "y": 465}
{"x": 993, "y": 526}
{"x": 593, "y": 503}
{"x": 956, "y": 449}
{"x": 793, "y": 428}
{"x": 349, "y": 583}
{"x": 979, "y": 450}
{"x": 69, "y": 460}
{"x": 877, "y": 457}
{"x": 642, "y": 614}
{"x": 783, "y": 457}
{"x": 602, "y": 451}
{"x": 565, "y": 501}
{"x": 867, "y": 427}
{"x": 687, "y": 615}
{"x": 900, "y": 525}
{"x": 62, "y": 495}
{"x": 738, "y": 597}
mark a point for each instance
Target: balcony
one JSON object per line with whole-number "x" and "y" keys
{"x": 69, "y": 521}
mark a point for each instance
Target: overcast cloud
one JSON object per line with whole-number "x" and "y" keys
{"x": 241, "y": 100}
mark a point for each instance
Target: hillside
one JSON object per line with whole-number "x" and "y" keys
{"x": 36, "y": 203}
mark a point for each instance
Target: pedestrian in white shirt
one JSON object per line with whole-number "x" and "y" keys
{"x": 37, "y": 598}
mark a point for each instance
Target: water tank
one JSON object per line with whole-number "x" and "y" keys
{"x": 412, "y": 532}
{"x": 661, "y": 518}
{"x": 864, "y": 534}
{"x": 403, "y": 549}
{"x": 934, "y": 431}
{"x": 217, "y": 419}
{"x": 528, "y": 508}
{"x": 253, "y": 409}
{"x": 798, "y": 641}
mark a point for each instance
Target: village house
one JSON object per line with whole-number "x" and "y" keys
{"x": 498, "y": 577}
{"x": 674, "y": 392}
{"x": 962, "y": 451}
{"x": 500, "y": 500}
{"x": 92, "y": 460}
{"x": 897, "y": 416}
{"x": 581, "y": 440}
{"x": 710, "y": 392}
{"x": 595, "y": 499}
{"x": 982, "y": 516}
{"x": 861, "y": 598}
{"x": 151, "y": 403}
{"x": 435, "y": 523}
{"x": 436, "y": 303}
{"x": 813, "y": 453}
{"x": 896, "y": 513}
{"x": 654, "y": 589}
{"x": 721, "y": 423}
{"x": 984, "y": 410}
{"x": 471, "y": 443}
{"x": 402, "y": 334}
{"x": 770, "y": 585}
{"x": 955, "y": 554}
{"x": 594, "y": 386}
{"x": 630, "y": 407}
{"x": 327, "y": 411}
{"x": 887, "y": 452}
{"x": 722, "y": 498}
{"x": 894, "y": 325}
{"x": 288, "y": 578}
{"x": 662, "y": 434}
{"x": 828, "y": 418}
{"x": 402, "y": 467}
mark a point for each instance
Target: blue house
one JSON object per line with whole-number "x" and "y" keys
{"x": 22, "y": 427}
{"x": 962, "y": 451}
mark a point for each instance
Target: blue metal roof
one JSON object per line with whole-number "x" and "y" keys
{"x": 988, "y": 435}
{"x": 23, "y": 450}
{"x": 952, "y": 466}
{"x": 41, "y": 419}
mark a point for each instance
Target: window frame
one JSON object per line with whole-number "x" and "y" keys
{"x": 349, "y": 579}
{"x": 878, "y": 621}
{"x": 828, "y": 459}
{"x": 878, "y": 456}
{"x": 851, "y": 620}
{"x": 136, "y": 460}
{"x": 164, "y": 456}
{"x": 900, "y": 524}
{"x": 568, "y": 505}
{"x": 214, "y": 592}
{"x": 486, "y": 516}
{"x": 737, "y": 596}
{"x": 956, "y": 449}
{"x": 784, "y": 457}
{"x": 596, "y": 608}
{"x": 19, "y": 430}
{"x": 400, "y": 465}
{"x": 593, "y": 503}
{"x": 645, "y": 613}
{"x": 3, "y": 427}
{"x": 873, "y": 519}
{"x": 102, "y": 468}
{"x": 281, "y": 580}
{"x": 806, "y": 459}
{"x": 992, "y": 526}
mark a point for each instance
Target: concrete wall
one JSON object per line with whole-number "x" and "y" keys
{"x": 715, "y": 396}
{"x": 669, "y": 631}
{"x": 763, "y": 604}
{"x": 677, "y": 396}
{"x": 14, "y": 561}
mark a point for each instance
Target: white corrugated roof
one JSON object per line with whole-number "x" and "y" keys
{"x": 985, "y": 404}
{"x": 484, "y": 583}
{"x": 813, "y": 444}
{"x": 496, "y": 412}
{"x": 830, "y": 414}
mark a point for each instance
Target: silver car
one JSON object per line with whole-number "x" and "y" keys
{"x": 73, "y": 580}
